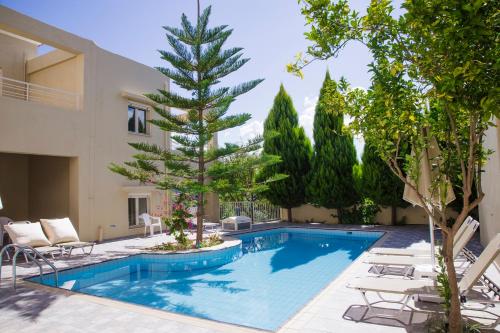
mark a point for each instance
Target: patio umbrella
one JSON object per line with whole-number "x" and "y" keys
{"x": 427, "y": 173}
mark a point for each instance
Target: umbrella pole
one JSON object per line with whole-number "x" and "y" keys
{"x": 433, "y": 242}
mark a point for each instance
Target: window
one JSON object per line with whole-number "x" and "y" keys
{"x": 137, "y": 120}
{"x": 137, "y": 205}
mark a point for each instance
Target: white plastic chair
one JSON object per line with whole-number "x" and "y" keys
{"x": 151, "y": 222}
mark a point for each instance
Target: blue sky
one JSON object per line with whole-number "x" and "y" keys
{"x": 270, "y": 31}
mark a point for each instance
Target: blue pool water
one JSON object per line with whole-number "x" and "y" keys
{"x": 260, "y": 284}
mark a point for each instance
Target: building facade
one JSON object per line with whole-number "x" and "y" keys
{"x": 65, "y": 115}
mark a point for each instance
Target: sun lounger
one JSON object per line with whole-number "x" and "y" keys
{"x": 235, "y": 223}
{"x": 25, "y": 233}
{"x": 382, "y": 263}
{"x": 62, "y": 234}
{"x": 70, "y": 246}
{"x": 408, "y": 288}
{"x": 423, "y": 251}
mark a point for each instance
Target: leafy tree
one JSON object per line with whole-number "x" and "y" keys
{"x": 357, "y": 173}
{"x": 379, "y": 183}
{"x": 237, "y": 180}
{"x": 331, "y": 181}
{"x": 442, "y": 51}
{"x": 198, "y": 63}
{"x": 283, "y": 137}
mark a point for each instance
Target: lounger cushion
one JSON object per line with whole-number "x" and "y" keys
{"x": 27, "y": 234}
{"x": 60, "y": 230}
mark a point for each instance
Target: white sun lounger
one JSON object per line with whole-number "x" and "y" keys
{"x": 408, "y": 288}
{"x": 423, "y": 251}
{"x": 408, "y": 262}
{"x": 235, "y": 223}
{"x": 63, "y": 235}
{"x": 25, "y": 233}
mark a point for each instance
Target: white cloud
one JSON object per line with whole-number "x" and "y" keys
{"x": 306, "y": 116}
{"x": 306, "y": 120}
{"x": 246, "y": 132}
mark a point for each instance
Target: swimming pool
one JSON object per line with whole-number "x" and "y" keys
{"x": 260, "y": 283}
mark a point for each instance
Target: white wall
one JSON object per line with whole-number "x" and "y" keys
{"x": 489, "y": 209}
{"x": 13, "y": 54}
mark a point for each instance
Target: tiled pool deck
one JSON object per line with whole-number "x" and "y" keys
{"x": 34, "y": 308}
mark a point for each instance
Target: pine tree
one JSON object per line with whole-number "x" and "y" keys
{"x": 379, "y": 183}
{"x": 331, "y": 181}
{"x": 198, "y": 63}
{"x": 283, "y": 137}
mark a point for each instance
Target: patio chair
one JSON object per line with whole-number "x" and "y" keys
{"x": 151, "y": 222}
{"x": 207, "y": 225}
{"x": 408, "y": 263}
{"x": 62, "y": 234}
{"x": 469, "y": 291}
{"x": 26, "y": 233}
{"x": 420, "y": 252}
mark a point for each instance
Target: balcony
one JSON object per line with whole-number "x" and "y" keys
{"x": 39, "y": 94}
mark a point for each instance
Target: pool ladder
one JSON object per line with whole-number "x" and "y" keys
{"x": 30, "y": 253}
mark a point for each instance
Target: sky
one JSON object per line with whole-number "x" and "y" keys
{"x": 270, "y": 31}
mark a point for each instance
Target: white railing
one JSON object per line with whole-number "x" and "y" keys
{"x": 258, "y": 211}
{"x": 40, "y": 94}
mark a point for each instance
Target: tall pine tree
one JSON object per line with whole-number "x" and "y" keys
{"x": 379, "y": 183}
{"x": 198, "y": 63}
{"x": 331, "y": 181}
{"x": 285, "y": 138}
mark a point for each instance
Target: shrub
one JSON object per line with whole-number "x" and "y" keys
{"x": 368, "y": 210}
{"x": 178, "y": 222}
{"x": 364, "y": 214}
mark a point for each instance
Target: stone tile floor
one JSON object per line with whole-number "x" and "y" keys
{"x": 34, "y": 308}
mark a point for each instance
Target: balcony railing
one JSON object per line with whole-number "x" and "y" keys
{"x": 40, "y": 94}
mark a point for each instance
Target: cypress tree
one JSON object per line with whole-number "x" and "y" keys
{"x": 198, "y": 63}
{"x": 331, "y": 180}
{"x": 285, "y": 138}
{"x": 379, "y": 183}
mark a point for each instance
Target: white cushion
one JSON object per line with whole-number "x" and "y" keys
{"x": 60, "y": 230}
{"x": 27, "y": 234}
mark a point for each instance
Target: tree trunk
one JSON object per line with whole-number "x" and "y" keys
{"x": 339, "y": 215}
{"x": 394, "y": 215}
{"x": 199, "y": 220}
{"x": 251, "y": 211}
{"x": 455, "y": 316}
{"x": 289, "y": 210}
